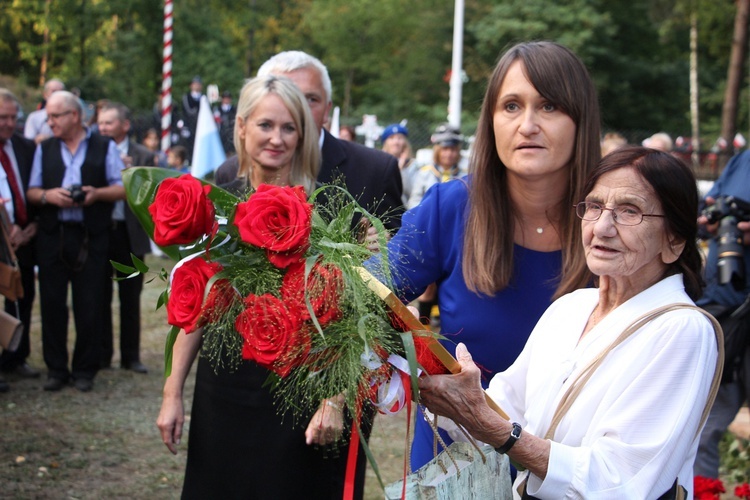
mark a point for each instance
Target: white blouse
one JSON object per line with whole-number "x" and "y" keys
{"x": 634, "y": 427}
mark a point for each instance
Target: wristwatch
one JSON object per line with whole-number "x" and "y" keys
{"x": 44, "y": 197}
{"x": 515, "y": 435}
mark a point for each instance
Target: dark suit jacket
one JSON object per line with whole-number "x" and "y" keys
{"x": 139, "y": 242}
{"x": 24, "y": 150}
{"x": 371, "y": 176}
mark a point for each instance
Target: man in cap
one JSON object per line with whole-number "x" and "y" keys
{"x": 395, "y": 141}
{"x": 191, "y": 103}
{"x": 446, "y": 154}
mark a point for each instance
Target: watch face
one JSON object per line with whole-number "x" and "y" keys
{"x": 516, "y": 432}
{"x": 515, "y": 435}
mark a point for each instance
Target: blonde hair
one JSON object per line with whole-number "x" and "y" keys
{"x": 488, "y": 238}
{"x": 306, "y": 159}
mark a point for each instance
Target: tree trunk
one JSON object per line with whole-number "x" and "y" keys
{"x": 694, "y": 89}
{"x": 734, "y": 76}
{"x": 45, "y": 48}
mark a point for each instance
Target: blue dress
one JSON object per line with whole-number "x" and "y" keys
{"x": 428, "y": 249}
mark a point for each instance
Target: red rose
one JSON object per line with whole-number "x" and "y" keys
{"x": 219, "y": 300}
{"x": 324, "y": 287}
{"x": 181, "y": 211}
{"x": 274, "y": 337}
{"x": 706, "y": 488}
{"x": 277, "y": 219}
{"x": 296, "y": 352}
{"x": 742, "y": 491}
{"x": 187, "y": 291}
{"x": 293, "y": 289}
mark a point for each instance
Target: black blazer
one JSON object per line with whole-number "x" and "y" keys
{"x": 139, "y": 242}
{"x": 370, "y": 175}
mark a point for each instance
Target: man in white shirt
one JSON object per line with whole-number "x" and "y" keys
{"x": 36, "y": 128}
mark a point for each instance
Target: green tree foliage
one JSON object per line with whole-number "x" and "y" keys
{"x": 384, "y": 58}
{"x": 618, "y": 41}
{"x": 388, "y": 57}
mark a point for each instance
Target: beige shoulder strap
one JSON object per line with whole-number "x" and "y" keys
{"x": 575, "y": 388}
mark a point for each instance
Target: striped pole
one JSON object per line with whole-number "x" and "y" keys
{"x": 166, "y": 83}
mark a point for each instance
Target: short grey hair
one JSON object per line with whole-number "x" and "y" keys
{"x": 54, "y": 82}
{"x": 8, "y": 96}
{"x": 71, "y": 100}
{"x": 293, "y": 60}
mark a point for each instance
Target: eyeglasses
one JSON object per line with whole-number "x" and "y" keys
{"x": 55, "y": 116}
{"x": 625, "y": 215}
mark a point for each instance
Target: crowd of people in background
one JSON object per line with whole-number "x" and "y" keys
{"x": 495, "y": 248}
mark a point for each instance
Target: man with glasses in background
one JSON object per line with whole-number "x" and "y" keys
{"x": 75, "y": 180}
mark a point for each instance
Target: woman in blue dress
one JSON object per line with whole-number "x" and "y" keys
{"x": 504, "y": 241}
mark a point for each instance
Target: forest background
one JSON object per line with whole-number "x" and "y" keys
{"x": 390, "y": 58}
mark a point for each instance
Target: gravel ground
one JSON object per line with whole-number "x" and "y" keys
{"x": 105, "y": 444}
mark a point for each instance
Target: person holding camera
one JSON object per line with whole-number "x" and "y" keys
{"x": 727, "y": 222}
{"x": 75, "y": 180}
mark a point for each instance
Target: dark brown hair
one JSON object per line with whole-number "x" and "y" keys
{"x": 675, "y": 187}
{"x": 561, "y": 78}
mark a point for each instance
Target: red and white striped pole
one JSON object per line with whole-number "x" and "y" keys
{"x": 166, "y": 83}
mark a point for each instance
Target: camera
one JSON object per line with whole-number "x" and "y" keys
{"x": 728, "y": 211}
{"x": 77, "y": 193}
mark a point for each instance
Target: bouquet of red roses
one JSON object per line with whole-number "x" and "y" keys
{"x": 278, "y": 280}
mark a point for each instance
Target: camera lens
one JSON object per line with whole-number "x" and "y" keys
{"x": 731, "y": 263}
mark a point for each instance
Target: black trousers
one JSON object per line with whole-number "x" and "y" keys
{"x": 72, "y": 256}
{"x": 129, "y": 295}
{"x": 21, "y": 309}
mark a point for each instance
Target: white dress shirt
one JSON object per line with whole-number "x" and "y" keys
{"x": 634, "y": 427}
{"x": 5, "y": 192}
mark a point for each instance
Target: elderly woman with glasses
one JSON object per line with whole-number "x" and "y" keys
{"x": 633, "y": 428}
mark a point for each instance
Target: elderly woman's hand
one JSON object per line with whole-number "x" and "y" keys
{"x": 459, "y": 397}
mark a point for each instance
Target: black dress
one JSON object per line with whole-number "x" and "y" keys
{"x": 239, "y": 447}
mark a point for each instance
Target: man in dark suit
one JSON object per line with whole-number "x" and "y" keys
{"x": 371, "y": 176}
{"x": 224, "y": 114}
{"x": 126, "y": 237}
{"x": 189, "y": 108}
{"x": 16, "y": 157}
{"x": 75, "y": 180}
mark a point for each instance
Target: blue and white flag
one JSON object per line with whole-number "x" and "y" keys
{"x": 208, "y": 153}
